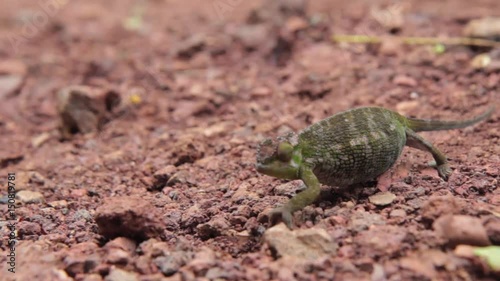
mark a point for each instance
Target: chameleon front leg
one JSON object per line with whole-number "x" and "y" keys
{"x": 416, "y": 141}
{"x": 299, "y": 201}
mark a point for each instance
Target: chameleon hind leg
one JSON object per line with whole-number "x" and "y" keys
{"x": 416, "y": 141}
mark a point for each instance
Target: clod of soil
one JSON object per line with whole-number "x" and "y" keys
{"x": 128, "y": 216}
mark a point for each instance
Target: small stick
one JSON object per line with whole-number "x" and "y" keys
{"x": 467, "y": 41}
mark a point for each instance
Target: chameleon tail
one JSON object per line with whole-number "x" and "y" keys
{"x": 419, "y": 125}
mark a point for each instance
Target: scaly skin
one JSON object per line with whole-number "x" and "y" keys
{"x": 350, "y": 147}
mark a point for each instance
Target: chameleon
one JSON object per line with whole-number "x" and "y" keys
{"x": 348, "y": 148}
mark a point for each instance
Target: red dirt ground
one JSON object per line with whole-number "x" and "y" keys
{"x": 167, "y": 190}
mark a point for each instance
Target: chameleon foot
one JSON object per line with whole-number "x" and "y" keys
{"x": 281, "y": 214}
{"x": 444, "y": 171}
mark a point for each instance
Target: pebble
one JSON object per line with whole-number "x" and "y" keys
{"x": 84, "y": 109}
{"x": 403, "y": 80}
{"x": 162, "y": 176}
{"x": 460, "y": 229}
{"x": 117, "y": 274}
{"x": 397, "y": 213}
{"x": 487, "y": 27}
{"x": 92, "y": 277}
{"x": 191, "y": 46}
{"x": 27, "y": 196}
{"x": 361, "y": 220}
{"x": 59, "y": 204}
{"x": 289, "y": 188}
{"x": 253, "y": 36}
{"x": 306, "y": 244}
{"x": 26, "y": 228}
{"x": 170, "y": 264}
{"x": 406, "y": 107}
{"x": 217, "y": 226}
{"x": 382, "y": 198}
{"x": 9, "y": 84}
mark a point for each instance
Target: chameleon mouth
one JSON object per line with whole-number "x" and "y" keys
{"x": 260, "y": 168}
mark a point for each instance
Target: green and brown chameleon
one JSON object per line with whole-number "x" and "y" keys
{"x": 347, "y": 148}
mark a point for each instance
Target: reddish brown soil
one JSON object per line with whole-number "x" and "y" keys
{"x": 172, "y": 173}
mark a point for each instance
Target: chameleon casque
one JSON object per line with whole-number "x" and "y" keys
{"x": 347, "y": 148}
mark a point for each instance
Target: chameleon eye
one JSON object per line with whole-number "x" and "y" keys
{"x": 285, "y": 151}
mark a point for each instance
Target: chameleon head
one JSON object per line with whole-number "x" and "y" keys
{"x": 278, "y": 159}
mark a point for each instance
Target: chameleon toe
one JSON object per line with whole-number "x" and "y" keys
{"x": 444, "y": 171}
{"x": 280, "y": 214}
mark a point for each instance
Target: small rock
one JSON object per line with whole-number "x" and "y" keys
{"x": 474, "y": 153}
{"x": 378, "y": 273}
{"x": 361, "y": 220}
{"x": 40, "y": 139}
{"x": 13, "y": 67}
{"x": 114, "y": 158}
{"x": 117, "y": 274}
{"x": 390, "y": 47}
{"x": 59, "y": 204}
{"x": 308, "y": 244}
{"x": 243, "y": 192}
{"x": 397, "y": 213}
{"x": 459, "y": 229}
{"x": 191, "y": 46}
{"x": 219, "y": 128}
{"x": 217, "y": 273}
{"x": 187, "y": 149}
{"x": 415, "y": 203}
{"x": 187, "y": 108}
{"x": 493, "y": 230}
{"x": 276, "y": 12}
{"x": 12, "y": 73}
{"x": 9, "y": 84}
{"x": 84, "y": 109}
{"x": 27, "y": 196}
{"x": 438, "y": 206}
{"x": 403, "y": 80}
{"x": 406, "y": 107}
{"x": 289, "y": 188}
{"x": 253, "y": 37}
{"x": 26, "y": 228}
{"x": 217, "y": 226}
{"x": 162, "y": 176}
{"x": 130, "y": 216}
{"x": 78, "y": 193}
{"x": 92, "y": 277}
{"x": 420, "y": 266}
{"x": 170, "y": 264}
{"x": 80, "y": 262}
{"x": 481, "y": 61}
{"x": 465, "y": 251}
{"x": 382, "y": 240}
{"x": 123, "y": 243}
{"x": 488, "y": 27}
{"x": 27, "y": 179}
{"x": 294, "y": 24}
{"x": 117, "y": 256}
{"x": 82, "y": 214}
{"x": 382, "y": 198}
{"x": 391, "y": 18}
{"x": 261, "y": 91}
{"x": 202, "y": 261}
{"x": 179, "y": 177}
